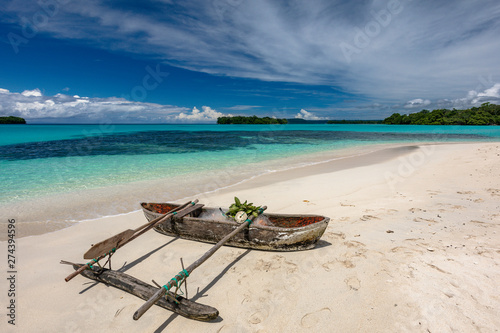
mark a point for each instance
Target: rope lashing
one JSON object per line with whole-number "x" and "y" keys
{"x": 89, "y": 264}
{"x": 96, "y": 260}
{"x": 179, "y": 279}
{"x": 250, "y": 221}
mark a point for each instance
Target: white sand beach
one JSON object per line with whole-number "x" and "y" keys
{"x": 412, "y": 246}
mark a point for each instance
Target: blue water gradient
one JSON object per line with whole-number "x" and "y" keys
{"x": 41, "y": 160}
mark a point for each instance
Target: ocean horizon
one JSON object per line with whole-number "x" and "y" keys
{"x": 102, "y": 170}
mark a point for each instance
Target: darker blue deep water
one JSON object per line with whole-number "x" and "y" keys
{"x": 179, "y": 142}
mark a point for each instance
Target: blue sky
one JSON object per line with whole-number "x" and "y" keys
{"x": 194, "y": 60}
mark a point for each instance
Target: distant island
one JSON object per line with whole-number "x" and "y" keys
{"x": 486, "y": 114}
{"x": 12, "y": 120}
{"x": 269, "y": 120}
{"x": 250, "y": 120}
{"x": 334, "y": 121}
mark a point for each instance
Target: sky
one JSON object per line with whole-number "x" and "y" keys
{"x": 191, "y": 61}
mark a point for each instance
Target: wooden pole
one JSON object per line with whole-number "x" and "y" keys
{"x": 129, "y": 234}
{"x": 174, "y": 281}
{"x": 146, "y": 227}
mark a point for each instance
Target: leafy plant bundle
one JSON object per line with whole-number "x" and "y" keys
{"x": 248, "y": 208}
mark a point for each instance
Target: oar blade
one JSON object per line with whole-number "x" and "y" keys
{"x": 108, "y": 244}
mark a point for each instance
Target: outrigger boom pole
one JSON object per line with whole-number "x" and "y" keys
{"x": 177, "y": 280}
{"x": 110, "y": 245}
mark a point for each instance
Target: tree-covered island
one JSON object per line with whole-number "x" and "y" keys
{"x": 486, "y": 114}
{"x": 12, "y": 120}
{"x": 250, "y": 120}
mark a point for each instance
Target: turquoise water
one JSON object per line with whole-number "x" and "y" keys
{"x": 40, "y": 162}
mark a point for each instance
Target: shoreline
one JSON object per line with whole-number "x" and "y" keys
{"x": 55, "y": 212}
{"x": 415, "y": 253}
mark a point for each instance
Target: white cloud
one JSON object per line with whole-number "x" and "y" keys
{"x": 417, "y": 103}
{"x": 491, "y": 92}
{"x": 306, "y": 115}
{"x": 33, "y": 106}
{"x": 418, "y": 51}
{"x": 207, "y": 115}
{"x": 473, "y": 98}
{"x": 35, "y": 92}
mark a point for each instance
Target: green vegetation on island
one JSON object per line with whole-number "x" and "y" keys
{"x": 250, "y": 120}
{"x": 12, "y": 120}
{"x": 486, "y": 114}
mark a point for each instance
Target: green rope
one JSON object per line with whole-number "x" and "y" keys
{"x": 180, "y": 277}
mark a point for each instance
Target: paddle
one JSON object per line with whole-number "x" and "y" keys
{"x": 106, "y": 250}
{"x": 179, "y": 278}
{"x": 126, "y": 236}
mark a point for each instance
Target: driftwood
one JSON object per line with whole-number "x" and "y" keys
{"x": 130, "y": 284}
{"x": 181, "y": 277}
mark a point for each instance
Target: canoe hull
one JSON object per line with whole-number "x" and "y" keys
{"x": 289, "y": 233}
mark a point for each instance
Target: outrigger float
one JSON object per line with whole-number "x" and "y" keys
{"x": 276, "y": 232}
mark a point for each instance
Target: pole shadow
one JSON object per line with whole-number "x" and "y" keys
{"x": 200, "y": 293}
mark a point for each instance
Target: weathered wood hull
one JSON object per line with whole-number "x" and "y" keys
{"x": 283, "y": 232}
{"x": 184, "y": 307}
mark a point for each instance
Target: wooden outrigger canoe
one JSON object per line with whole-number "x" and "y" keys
{"x": 279, "y": 232}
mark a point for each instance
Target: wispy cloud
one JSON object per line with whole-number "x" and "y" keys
{"x": 242, "y": 107}
{"x": 428, "y": 50}
{"x": 61, "y": 108}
